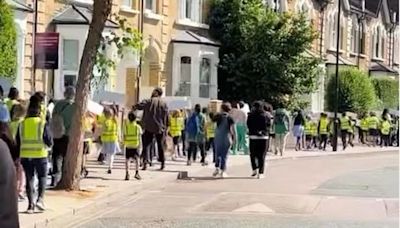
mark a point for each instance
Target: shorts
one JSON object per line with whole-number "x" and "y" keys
{"x": 131, "y": 153}
{"x": 373, "y": 132}
{"x": 175, "y": 140}
{"x": 309, "y": 137}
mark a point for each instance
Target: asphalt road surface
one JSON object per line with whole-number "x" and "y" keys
{"x": 334, "y": 191}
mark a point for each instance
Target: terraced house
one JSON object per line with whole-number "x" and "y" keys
{"x": 178, "y": 53}
{"x": 369, "y": 36}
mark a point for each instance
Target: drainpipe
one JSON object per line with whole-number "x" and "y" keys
{"x": 35, "y": 22}
{"x": 139, "y": 72}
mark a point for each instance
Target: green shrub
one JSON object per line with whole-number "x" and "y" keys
{"x": 356, "y": 92}
{"x": 387, "y": 91}
{"x": 8, "y": 42}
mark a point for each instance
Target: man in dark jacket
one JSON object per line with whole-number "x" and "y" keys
{"x": 258, "y": 123}
{"x": 8, "y": 188}
{"x": 155, "y": 124}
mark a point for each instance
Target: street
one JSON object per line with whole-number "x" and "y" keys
{"x": 358, "y": 190}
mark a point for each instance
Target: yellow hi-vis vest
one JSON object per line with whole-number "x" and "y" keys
{"x": 175, "y": 126}
{"x": 10, "y": 103}
{"x": 385, "y": 127}
{"x": 373, "y": 122}
{"x": 210, "y": 129}
{"x": 110, "y": 131}
{"x": 31, "y": 134}
{"x": 351, "y": 128}
{"x": 308, "y": 128}
{"x": 43, "y": 111}
{"x": 88, "y": 129}
{"x": 323, "y": 126}
{"x": 314, "y": 129}
{"x": 132, "y": 134}
{"x": 14, "y": 125}
{"x": 364, "y": 124}
{"x": 344, "y": 123}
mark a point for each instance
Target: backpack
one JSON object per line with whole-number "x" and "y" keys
{"x": 280, "y": 119}
{"x": 192, "y": 126}
{"x": 57, "y": 126}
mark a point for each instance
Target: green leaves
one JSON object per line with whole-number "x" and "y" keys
{"x": 356, "y": 92}
{"x": 8, "y": 42}
{"x": 262, "y": 53}
{"x": 387, "y": 91}
{"x": 127, "y": 38}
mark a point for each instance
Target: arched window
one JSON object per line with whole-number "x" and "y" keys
{"x": 396, "y": 47}
{"x": 355, "y": 35}
{"x": 331, "y": 32}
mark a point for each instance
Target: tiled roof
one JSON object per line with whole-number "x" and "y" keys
{"x": 372, "y": 7}
{"x": 194, "y": 38}
{"x": 78, "y": 15}
{"x": 19, "y": 5}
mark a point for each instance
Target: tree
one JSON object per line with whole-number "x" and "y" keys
{"x": 8, "y": 42}
{"x": 262, "y": 54}
{"x": 387, "y": 92}
{"x": 356, "y": 92}
{"x": 71, "y": 171}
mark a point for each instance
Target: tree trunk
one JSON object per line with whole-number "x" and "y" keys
{"x": 72, "y": 164}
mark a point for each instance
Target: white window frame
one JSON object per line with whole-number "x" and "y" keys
{"x": 196, "y": 12}
{"x": 153, "y": 9}
{"x": 190, "y": 76}
{"x": 332, "y": 33}
{"x": 208, "y": 84}
{"x": 355, "y": 36}
{"x": 127, "y": 3}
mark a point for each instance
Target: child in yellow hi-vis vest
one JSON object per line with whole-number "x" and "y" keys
{"x": 109, "y": 137}
{"x": 175, "y": 131}
{"x": 210, "y": 134}
{"x": 132, "y": 142}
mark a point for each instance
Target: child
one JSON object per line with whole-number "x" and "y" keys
{"x": 17, "y": 114}
{"x": 132, "y": 141}
{"x": 323, "y": 129}
{"x": 385, "y": 131}
{"x": 314, "y": 134}
{"x": 210, "y": 133}
{"x": 175, "y": 130}
{"x": 109, "y": 137}
{"x": 308, "y": 132}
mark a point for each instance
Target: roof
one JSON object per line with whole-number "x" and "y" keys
{"x": 381, "y": 67}
{"x": 331, "y": 59}
{"x": 15, "y": 4}
{"x": 190, "y": 37}
{"x": 372, "y": 7}
{"x": 78, "y": 15}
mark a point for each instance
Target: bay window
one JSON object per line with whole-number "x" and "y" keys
{"x": 186, "y": 73}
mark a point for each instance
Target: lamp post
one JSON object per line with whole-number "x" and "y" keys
{"x": 139, "y": 72}
{"x": 336, "y": 123}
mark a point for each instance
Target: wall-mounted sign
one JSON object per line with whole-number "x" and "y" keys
{"x": 46, "y": 50}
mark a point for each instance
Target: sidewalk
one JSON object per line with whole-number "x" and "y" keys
{"x": 100, "y": 187}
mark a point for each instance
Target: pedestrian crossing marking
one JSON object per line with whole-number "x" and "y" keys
{"x": 256, "y": 207}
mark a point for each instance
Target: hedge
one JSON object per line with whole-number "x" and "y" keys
{"x": 387, "y": 91}
{"x": 8, "y": 42}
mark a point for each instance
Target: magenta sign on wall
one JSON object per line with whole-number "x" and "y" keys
{"x": 46, "y": 50}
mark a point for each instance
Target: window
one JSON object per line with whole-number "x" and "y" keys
{"x": 186, "y": 73}
{"x": 127, "y": 3}
{"x": 343, "y": 40}
{"x": 205, "y": 75}
{"x": 331, "y": 33}
{"x": 396, "y": 48}
{"x": 355, "y": 35}
{"x": 70, "y": 55}
{"x": 305, "y": 7}
{"x": 69, "y": 80}
{"x": 151, "y": 5}
{"x": 378, "y": 43}
{"x": 362, "y": 38}
{"x": 274, "y": 4}
{"x": 194, "y": 10}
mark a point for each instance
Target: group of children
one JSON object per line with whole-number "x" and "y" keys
{"x": 371, "y": 130}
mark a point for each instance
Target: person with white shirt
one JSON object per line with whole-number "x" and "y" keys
{"x": 240, "y": 118}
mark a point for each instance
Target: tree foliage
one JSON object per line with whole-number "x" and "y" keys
{"x": 262, "y": 54}
{"x": 125, "y": 39}
{"x": 8, "y": 42}
{"x": 387, "y": 91}
{"x": 356, "y": 91}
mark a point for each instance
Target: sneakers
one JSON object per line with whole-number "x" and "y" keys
{"x": 109, "y": 171}
{"x": 40, "y": 205}
{"x": 162, "y": 166}
{"x": 223, "y": 174}
{"x": 261, "y": 176}
{"x": 31, "y": 209}
{"x": 254, "y": 173}
{"x": 216, "y": 172}
{"x": 137, "y": 176}
{"x": 127, "y": 176}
